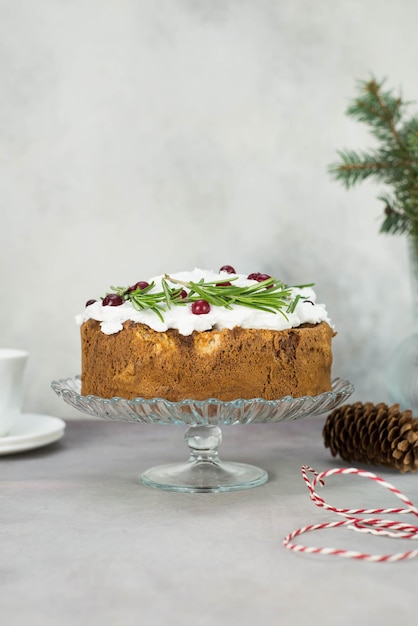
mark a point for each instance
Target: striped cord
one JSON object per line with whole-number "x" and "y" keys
{"x": 370, "y": 525}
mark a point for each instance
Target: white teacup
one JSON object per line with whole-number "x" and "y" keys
{"x": 12, "y": 366}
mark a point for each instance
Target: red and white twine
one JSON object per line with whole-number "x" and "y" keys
{"x": 371, "y": 525}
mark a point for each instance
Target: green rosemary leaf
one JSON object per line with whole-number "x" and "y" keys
{"x": 292, "y": 306}
{"x": 167, "y": 293}
{"x": 304, "y": 286}
{"x": 270, "y": 295}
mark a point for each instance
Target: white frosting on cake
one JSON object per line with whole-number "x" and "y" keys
{"x": 182, "y": 318}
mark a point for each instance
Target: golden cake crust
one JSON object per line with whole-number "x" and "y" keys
{"x": 224, "y": 364}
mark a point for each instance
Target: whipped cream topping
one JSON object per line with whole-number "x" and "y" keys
{"x": 111, "y": 318}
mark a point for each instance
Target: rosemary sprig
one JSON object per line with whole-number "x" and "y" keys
{"x": 143, "y": 298}
{"x": 270, "y": 295}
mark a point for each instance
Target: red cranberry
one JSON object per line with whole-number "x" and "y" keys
{"x": 262, "y": 277}
{"x": 179, "y": 294}
{"x": 200, "y": 307}
{"x": 90, "y": 302}
{"x": 142, "y": 284}
{"x": 227, "y": 268}
{"x": 258, "y": 277}
{"x": 226, "y": 284}
{"x": 112, "y": 299}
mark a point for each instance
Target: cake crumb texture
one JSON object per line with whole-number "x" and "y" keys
{"x": 224, "y": 364}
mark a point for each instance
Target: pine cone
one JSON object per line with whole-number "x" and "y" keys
{"x": 373, "y": 434}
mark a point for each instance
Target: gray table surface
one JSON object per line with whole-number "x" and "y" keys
{"x": 83, "y": 541}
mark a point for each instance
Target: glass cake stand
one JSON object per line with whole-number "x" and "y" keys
{"x": 204, "y": 471}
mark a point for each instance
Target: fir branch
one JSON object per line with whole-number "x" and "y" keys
{"x": 394, "y": 223}
{"x": 356, "y": 166}
{"x": 394, "y": 162}
{"x": 381, "y": 110}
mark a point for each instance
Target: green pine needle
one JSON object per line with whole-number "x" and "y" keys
{"x": 393, "y": 163}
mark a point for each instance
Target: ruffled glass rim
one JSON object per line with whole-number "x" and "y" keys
{"x": 201, "y": 412}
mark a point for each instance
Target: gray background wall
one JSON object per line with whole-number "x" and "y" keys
{"x": 146, "y": 136}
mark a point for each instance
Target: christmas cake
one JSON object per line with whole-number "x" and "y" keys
{"x": 204, "y": 334}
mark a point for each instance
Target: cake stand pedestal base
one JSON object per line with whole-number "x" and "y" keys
{"x": 204, "y": 472}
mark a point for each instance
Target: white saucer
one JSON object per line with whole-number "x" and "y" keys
{"x": 32, "y": 431}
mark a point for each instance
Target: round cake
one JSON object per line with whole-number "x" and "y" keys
{"x": 204, "y": 334}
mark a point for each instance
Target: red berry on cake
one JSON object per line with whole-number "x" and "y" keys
{"x": 112, "y": 299}
{"x": 258, "y": 277}
{"x": 200, "y": 307}
{"x": 142, "y": 284}
{"x": 228, "y": 269}
{"x": 90, "y": 302}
